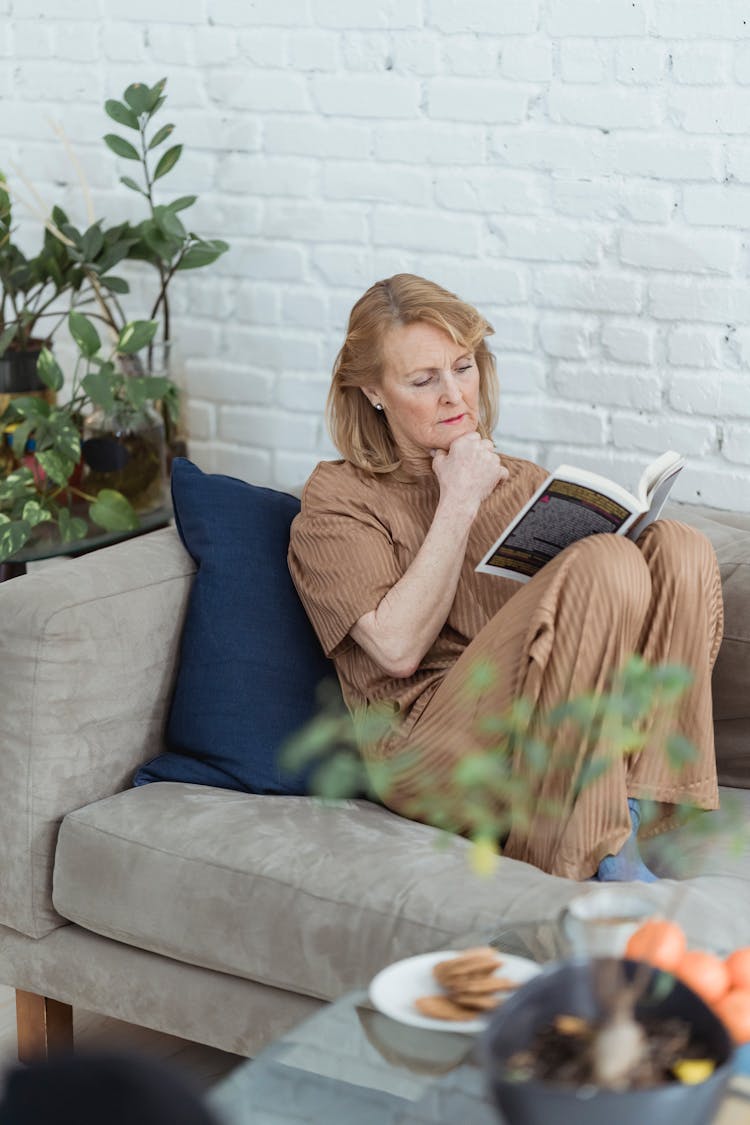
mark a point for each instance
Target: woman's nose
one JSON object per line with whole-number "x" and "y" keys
{"x": 449, "y": 389}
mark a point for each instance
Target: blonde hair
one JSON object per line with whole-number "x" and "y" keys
{"x": 359, "y": 432}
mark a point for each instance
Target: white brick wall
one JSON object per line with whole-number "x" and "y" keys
{"x": 579, "y": 169}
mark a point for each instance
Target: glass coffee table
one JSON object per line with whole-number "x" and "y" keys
{"x": 349, "y": 1063}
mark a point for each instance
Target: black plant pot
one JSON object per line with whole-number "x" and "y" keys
{"x": 18, "y": 373}
{"x": 569, "y": 988}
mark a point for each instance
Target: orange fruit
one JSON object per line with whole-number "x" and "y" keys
{"x": 659, "y": 943}
{"x": 705, "y": 973}
{"x": 734, "y": 1010}
{"x": 738, "y": 964}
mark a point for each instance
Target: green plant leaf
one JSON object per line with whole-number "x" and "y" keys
{"x": 203, "y": 254}
{"x": 160, "y": 136}
{"x": 92, "y": 242}
{"x": 49, "y": 370}
{"x": 13, "y": 535}
{"x": 66, "y": 439}
{"x": 84, "y": 333}
{"x": 167, "y": 161}
{"x": 16, "y": 484}
{"x": 113, "y": 512}
{"x": 57, "y": 467}
{"x": 130, "y": 183}
{"x": 138, "y": 96}
{"x": 6, "y": 337}
{"x": 29, "y": 407}
{"x": 121, "y": 147}
{"x": 120, "y": 113}
{"x": 136, "y": 391}
{"x": 680, "y": 751}
{"x": 169, "y": 223}
{"x": 156, "y": 96}
{"x": 35, "y": 513}
{"x": 115, "y": 284}
{"x": 99, "y": 388}
{"x": 182, "y": 202}
{"x": 71, "y": 528}
{"x": 136, "y": 335}
{"x": 20, "y": 435}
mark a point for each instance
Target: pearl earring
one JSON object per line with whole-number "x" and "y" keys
{"x": 378, "y": 406}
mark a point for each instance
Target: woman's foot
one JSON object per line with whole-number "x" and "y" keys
{"x": 627, "y": 866}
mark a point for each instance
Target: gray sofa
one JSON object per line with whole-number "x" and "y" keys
{"x": 226, "y": 917}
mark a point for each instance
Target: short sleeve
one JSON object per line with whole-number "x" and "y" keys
{"x": 341, "y": 557}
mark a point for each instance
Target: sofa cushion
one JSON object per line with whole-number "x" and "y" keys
{"x": 315, "y": 899}
{"x": 250, "y": 663}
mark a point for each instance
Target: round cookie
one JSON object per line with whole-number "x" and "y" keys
{"x": 442, "y": 1008}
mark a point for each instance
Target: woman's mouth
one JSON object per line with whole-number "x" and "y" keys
{"x": 452, "y": 421}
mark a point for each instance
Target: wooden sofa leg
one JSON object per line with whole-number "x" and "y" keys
{"x": 44, "y": 1026}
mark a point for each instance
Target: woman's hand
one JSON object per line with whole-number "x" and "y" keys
{"x": 469, "y": 471}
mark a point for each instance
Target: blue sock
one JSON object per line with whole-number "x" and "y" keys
{"x": 627, "y": 865}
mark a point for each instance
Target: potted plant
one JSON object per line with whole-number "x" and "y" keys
{"x": 612, "y": 1008}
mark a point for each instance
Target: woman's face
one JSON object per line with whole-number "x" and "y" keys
{"x": 430, "y": 388}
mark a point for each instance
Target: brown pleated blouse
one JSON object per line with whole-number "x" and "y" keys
{"x": 355, "y": 536}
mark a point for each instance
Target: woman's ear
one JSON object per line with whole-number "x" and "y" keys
{"x": 371, "y": 394}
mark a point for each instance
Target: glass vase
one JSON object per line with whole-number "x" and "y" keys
{"x": 126, "y": 450}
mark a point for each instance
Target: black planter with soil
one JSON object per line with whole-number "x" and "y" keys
{"x": 569, "y": 989}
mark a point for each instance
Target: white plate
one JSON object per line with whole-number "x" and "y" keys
{"x": 395, "y": 988}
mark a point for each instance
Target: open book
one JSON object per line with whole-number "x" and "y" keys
{"x": 571, "y": 504}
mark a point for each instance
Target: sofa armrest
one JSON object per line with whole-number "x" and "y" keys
{"x": 88, "y": 649}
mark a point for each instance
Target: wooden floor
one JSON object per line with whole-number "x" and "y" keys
{"x": 206, "y": 1065}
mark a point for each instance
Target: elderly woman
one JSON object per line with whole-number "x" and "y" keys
{"x": 383, "y": 554}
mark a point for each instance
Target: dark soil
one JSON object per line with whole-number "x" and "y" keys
{"x": 560, "y": 1052}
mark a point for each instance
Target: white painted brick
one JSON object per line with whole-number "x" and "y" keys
{"x": 267, "y": 428}
{"x": 365, "y": 95}
{"x": 520, "y": 373}
{"x": 560, "y": 151}
{"x": 201, "y": 420}
{"x": 169, "y": 44}
{"x": 212, "y": 45}
{"x": 252, "y": 465}
{"x": 596, "y": 291}
{"x": 695, "y": 299}
{"x": 487, "y": 191}
{"x": 272, "y": 13}
{"x": 607, "y": 386}
{"x": 313, "y": 50}
{"x": 656, "y": 433}
{"x": 470, "y": 56}
{"x": 724, "y": 396}
{"x": 537, "y": 420}
{"x": 718, "y": 488}
{"x": 526, "y": 60}
{"x": 628, "y": 342}
{"x": 318, "y": 222}
{"x": 709, "y": 110}
{"x": 566, "y": 337}
{"x": 526, "y": 450}
{"x": 276, "y": 175}
{"x": 738, "y": 161}
{"x": 736, "y": 444}
{"x": 367, "y": 13}
{"x": 480, "y": 282}
{"x": 514, "y": 332}
{"x": 303, "y": 392}
{"x": 678, "y": 19}
{"x": 263, "y": 46}
{"x": 291, "y": 470}
{"x": 342, "y": 266}
{"x": 660, "y": 157}
{"x": 383, "y": 183}
{"x": 605, "y": 108}
{"x": 229, "y": 382}
{"x": 590, "y": 17}
{"x": 464, "y": 99}
{"x": 426, "y": 230}
{"x": 545, "y": 240}
{"x": 34, "y": 40}
{"x": 262, "y": 91}
{"x": 693, "y": 347}
{"x": 123, "y": 42}
{"x": 599, "y": 199}
{"x": 741, "y": 65}
{"x": 724, "y": 205}
{"x": 585, "y": 60}
{"x": 701, "y": 64}
{"x": 641, "y": 63}
{"x": 512, "y": 17}
{"x": 55, "y": 9}
{"x": 158, "y": 11}
{"x": 35, "y": 80}
{"x": 270, "y": 261}
{"x": 276, "y": 348}
{"x": 366, "y": 50}
{"x": 416, "y": 52}
{"x": 259, "y": 302}
{"x": 428, "y": 143}
{"x": 303, "y": 137}
{"x": 681, "y": 249}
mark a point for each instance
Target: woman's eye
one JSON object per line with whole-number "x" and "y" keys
{"x": 424, "y": 382}
{"x": 467, "y": 368}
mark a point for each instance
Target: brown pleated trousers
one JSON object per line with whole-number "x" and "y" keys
{"x": 563, "y": 634}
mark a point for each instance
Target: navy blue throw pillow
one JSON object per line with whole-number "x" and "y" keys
{"x": 250, "y": 662}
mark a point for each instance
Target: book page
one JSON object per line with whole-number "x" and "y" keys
{"x": 560, "y": 512}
